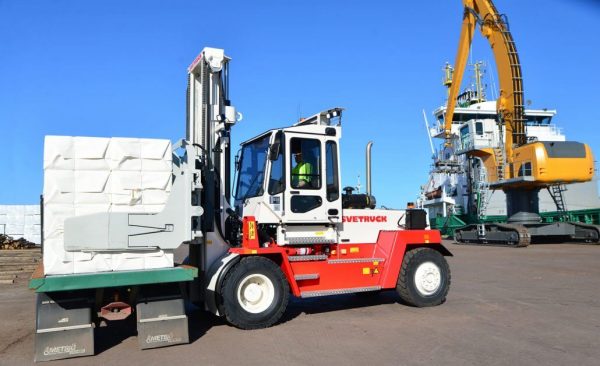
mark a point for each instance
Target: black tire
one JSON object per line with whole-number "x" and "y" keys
{"x": 248, "y": 271}
{"x": 407, "y": 286}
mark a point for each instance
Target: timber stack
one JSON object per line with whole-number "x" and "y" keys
{"x": 18, "y": 259}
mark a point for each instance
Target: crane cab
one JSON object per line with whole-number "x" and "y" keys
{"x": 545, "y": 163}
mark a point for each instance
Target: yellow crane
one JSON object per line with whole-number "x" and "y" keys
{"x": 518, "y": 167}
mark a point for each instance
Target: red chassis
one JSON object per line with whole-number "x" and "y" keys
{"x": 341, "y": 268}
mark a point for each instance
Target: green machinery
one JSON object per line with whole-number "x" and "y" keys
{"x": 448, "y": 224}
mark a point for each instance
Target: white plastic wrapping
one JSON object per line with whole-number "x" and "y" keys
{"x": 21, "y": 221}
{"x": 84, "y": 175}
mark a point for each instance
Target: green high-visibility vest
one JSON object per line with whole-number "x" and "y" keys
{"x": 300, "y": 172}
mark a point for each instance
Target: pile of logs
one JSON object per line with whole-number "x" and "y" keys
{"x": 7, "y": 242}
{"x": 18, "y": 259}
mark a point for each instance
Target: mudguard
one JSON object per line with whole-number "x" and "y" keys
{"x": 215, "y": 274}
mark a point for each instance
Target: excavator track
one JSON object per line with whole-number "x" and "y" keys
{"x": 519, "y": 236}
{"x": 509, "y": 235}
{"x": 587, "y": 233}
{"x": 524, "y": 235}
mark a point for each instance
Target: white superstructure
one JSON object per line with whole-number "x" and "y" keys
{"x": 457, "y": 183}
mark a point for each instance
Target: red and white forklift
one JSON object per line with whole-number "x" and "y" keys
{"x": 291, "y": 228}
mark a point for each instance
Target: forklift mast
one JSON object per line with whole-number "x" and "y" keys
{"x": 210, "y": 116}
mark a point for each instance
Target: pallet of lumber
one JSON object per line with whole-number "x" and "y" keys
{"x": 18, "y": 259}
{"x": 8, "y": 243}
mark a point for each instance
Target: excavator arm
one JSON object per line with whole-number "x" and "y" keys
{"x": 494, "y": 28}
{"x": 531, "y": 165}
{"x": 525, "y": 167}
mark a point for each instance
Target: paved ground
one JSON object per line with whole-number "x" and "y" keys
{"x": 534, "y": 306}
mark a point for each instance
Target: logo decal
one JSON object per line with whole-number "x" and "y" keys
{"x": 364, "y": 219}
{"x": 169, "y": 338}
{"x": 70, "y": 349}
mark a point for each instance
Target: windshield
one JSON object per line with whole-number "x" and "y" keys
{"x": 252, "y": 169}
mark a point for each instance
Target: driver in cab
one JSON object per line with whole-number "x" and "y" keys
{"x": 302, "y": 172}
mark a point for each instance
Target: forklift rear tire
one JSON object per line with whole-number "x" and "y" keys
{"x": 254, "y": 293}
{"x": 424, "y": 278}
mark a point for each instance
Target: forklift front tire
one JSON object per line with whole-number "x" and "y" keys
{"x": 424, "y": 278}
{"x": 254, "y": 293}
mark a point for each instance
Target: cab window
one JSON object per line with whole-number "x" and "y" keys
{"x": 305, "y": 163}
{"x": 252, "y": 169}
{"x": 479, "y": 128}
{"x": 276, "y": 179}
{"x": 331, "y": 171}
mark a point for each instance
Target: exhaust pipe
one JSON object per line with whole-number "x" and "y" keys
{"x": 369, "y": 145}
{"x": 360, "y": 201}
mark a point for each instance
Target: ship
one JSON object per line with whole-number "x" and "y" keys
{"x": 457, "y": 192}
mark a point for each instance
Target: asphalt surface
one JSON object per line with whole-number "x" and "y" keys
{"x": 533, "y": 306}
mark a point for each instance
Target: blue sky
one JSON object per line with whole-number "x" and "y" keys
{"x": 118, "y": 68}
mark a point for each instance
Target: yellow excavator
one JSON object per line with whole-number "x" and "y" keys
{"x": 519, "y": 167}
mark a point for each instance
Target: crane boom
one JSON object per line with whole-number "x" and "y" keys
{"x": 518, "y": 167}
{"x": 509, "y": 105}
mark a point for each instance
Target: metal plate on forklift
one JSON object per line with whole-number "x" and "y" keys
{"x": 355, "y": 260}
{"x": 163, "y": 333}
{"x": 311, "y": 240}
{"x": 306, "y": 258}
{"x": 161, "y": 322}
{"x": 307, "y": 294}
{"x": 64, "y": 344}
{"x": 155, "y": 308}
{"x": 58, "y": 312}
{"x": 63, "y": 327}
{"x": 306, "y": 276}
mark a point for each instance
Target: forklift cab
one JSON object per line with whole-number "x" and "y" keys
{"x": 292, "y": 175}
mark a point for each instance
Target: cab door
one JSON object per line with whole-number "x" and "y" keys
{"x": 312, "y": 179}
{"x": 333, "y": 195}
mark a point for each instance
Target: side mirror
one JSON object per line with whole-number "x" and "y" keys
{"x": 274, "y": 151}
{"x": 237, "y": 162}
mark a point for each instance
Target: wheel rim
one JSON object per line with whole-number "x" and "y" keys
{"x": 428, "y": 278}
{"x": 255, "y": 293}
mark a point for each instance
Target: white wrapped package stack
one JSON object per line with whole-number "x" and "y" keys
{"x": 84, "y": 175}
{"x": 21, "y": 221}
